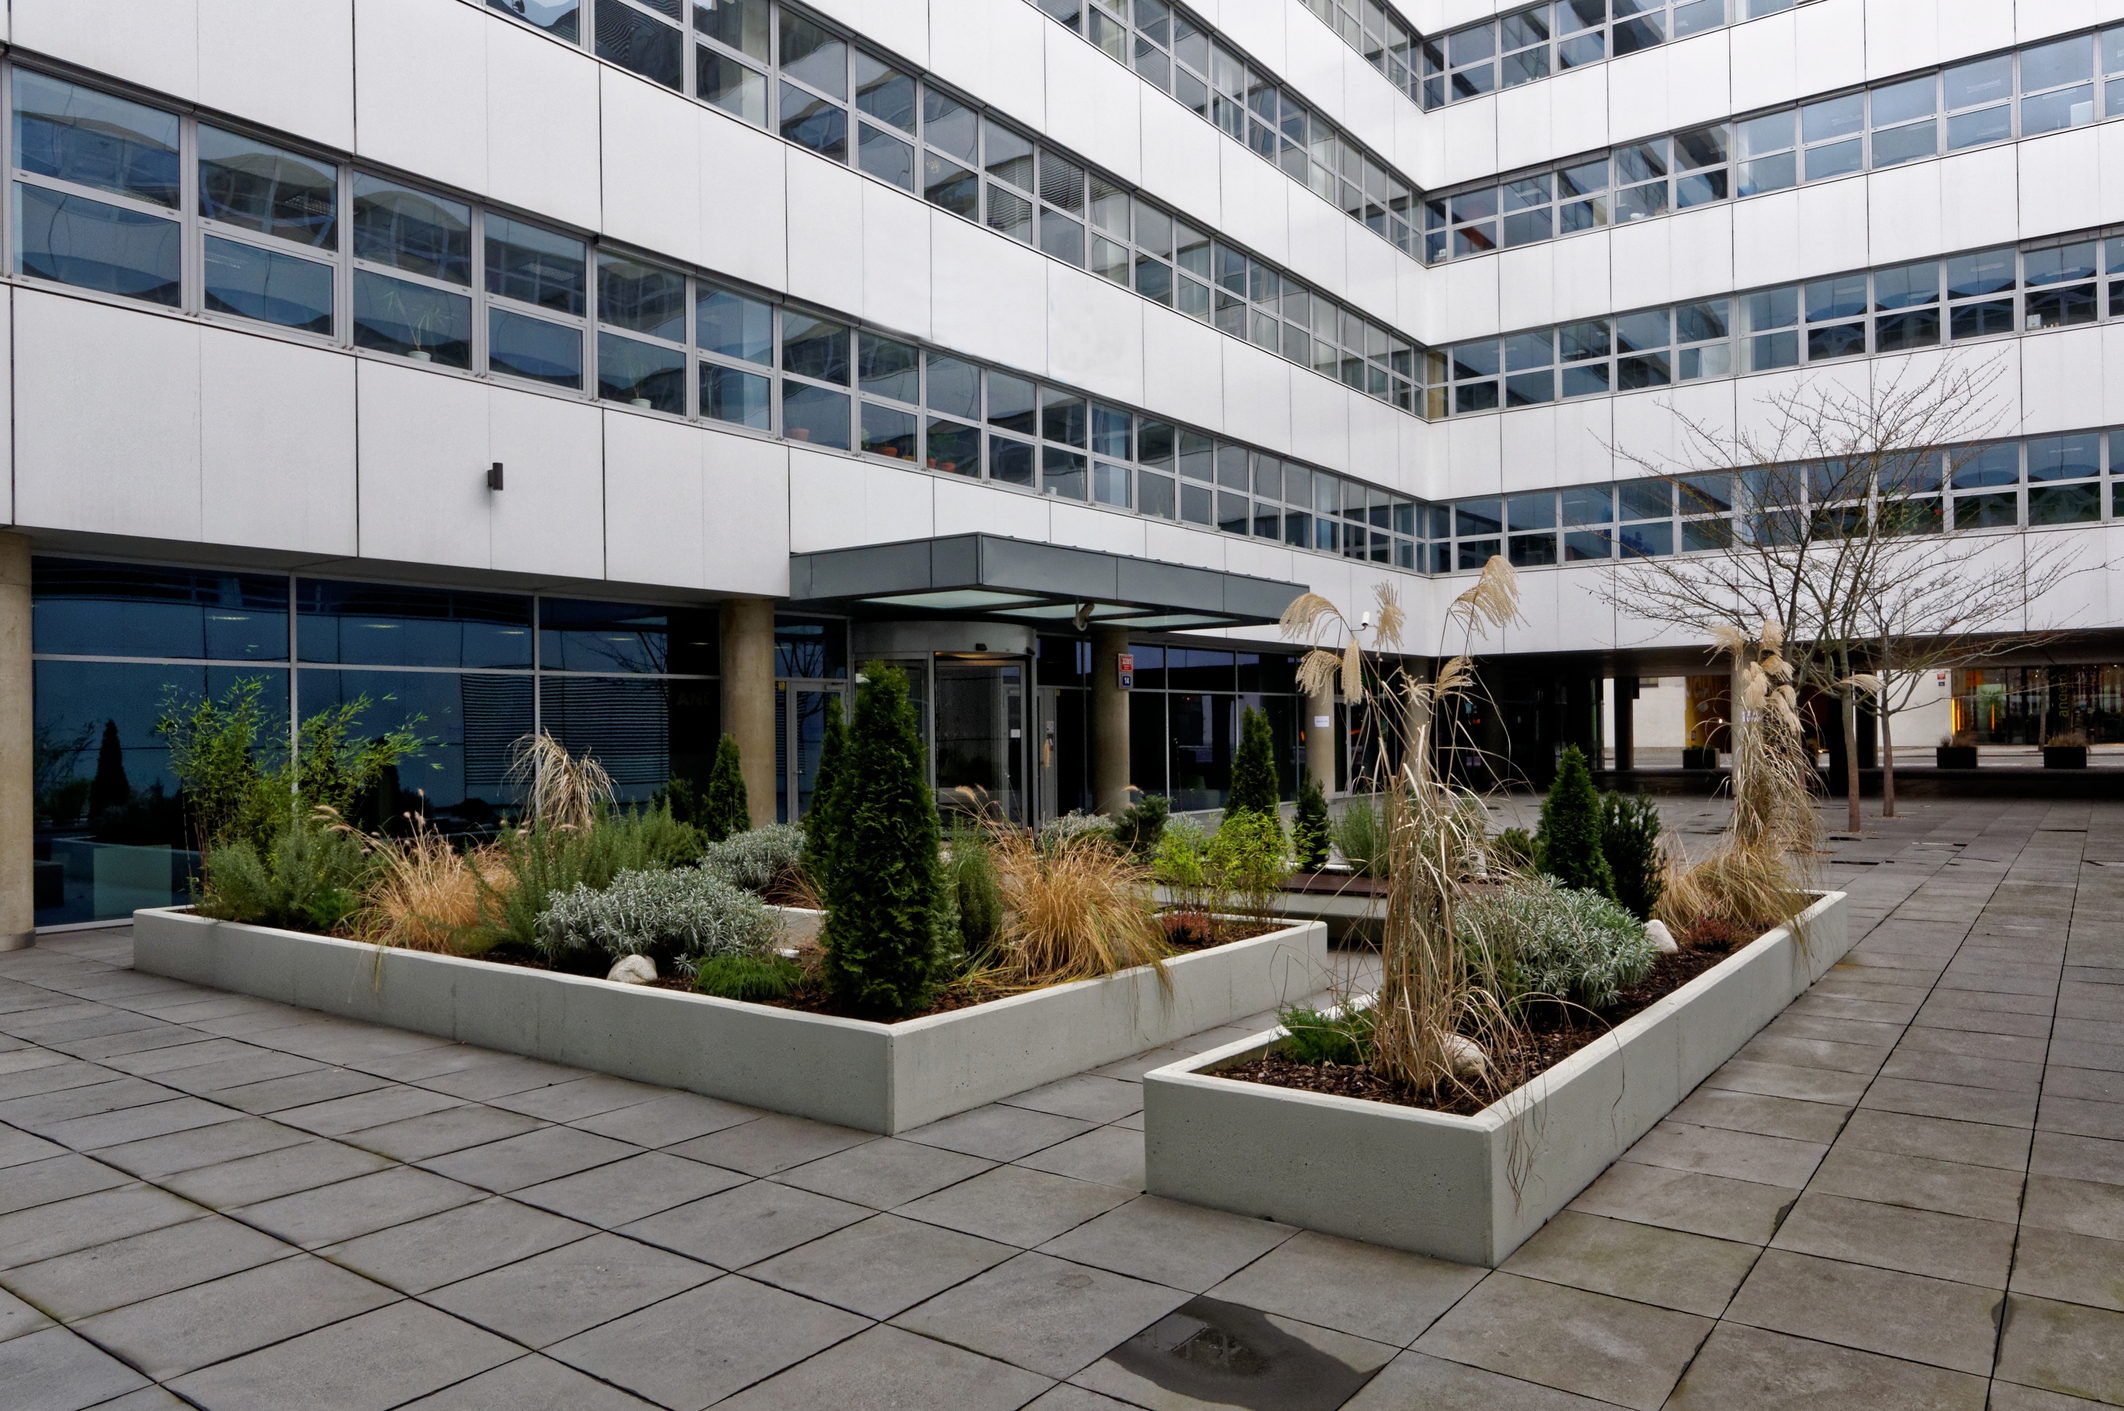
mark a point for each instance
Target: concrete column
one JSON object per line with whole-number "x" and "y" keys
{"x": 1625, "y": 722}
{"x": 1109, "y": 721}
{"x": 748, "y": 697}
{"x": 18, "y": 908}
{"x": 1320, "y": 739}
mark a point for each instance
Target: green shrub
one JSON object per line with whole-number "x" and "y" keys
{"x": 1254, "y": 786}
{"x": 724, "y": 808}
{"x": 675, "y": 916}
{"x": 754, "y": 978}
{"x": 308, "y": 880}
{"x": 1567, "y": 845}
{"x": 544, "y": 861}
{"x": 239, "y": 787}
{"x": 819, "y": 820}
{"x": 1564, "y": 943}
{"x": 1138, "y": 827}
{"x": 1076, "y": 826}
{"x": 886, "y": 907}
{"x": 1317, "y": 1037}
{"x": 1514, "y": 848}
{"x": 1310, "y": 827}
{"x": 972, "y": 880}
{"x": 681, "y": 798}
{"x": 1629, "y": 839}
{"x": 1250, "y": 858}
{"x": 766, "y": 860}
{"x": 1361, "y": 833}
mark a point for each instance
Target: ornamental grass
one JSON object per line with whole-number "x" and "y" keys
{"x": 1075, "y": 912}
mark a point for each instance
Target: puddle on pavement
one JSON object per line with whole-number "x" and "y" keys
{"x": 1226, "y": 1354}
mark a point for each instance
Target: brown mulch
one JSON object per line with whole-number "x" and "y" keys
{"x": 1552, "y": 1034}
{"x": 1334, "y": 884}
{"x": 1183, "y": 933}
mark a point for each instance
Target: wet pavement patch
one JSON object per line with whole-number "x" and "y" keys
{"x": 1226, "y": 1354}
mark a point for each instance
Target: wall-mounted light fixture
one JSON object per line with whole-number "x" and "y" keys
{"x": 494, "y": 476}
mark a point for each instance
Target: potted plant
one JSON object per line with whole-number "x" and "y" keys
{"x": 1706, "y": 756}
{"x": 2066, "y": 750}
{"x": 1952, "y": 753}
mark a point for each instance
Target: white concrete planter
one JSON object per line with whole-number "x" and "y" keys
{"x": 878, "y": 1077}
{"x": 1470, "y": 1189}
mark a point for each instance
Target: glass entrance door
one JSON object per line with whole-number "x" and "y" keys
{"x": 979, "y": 742}
{"x": 799, "y": 734}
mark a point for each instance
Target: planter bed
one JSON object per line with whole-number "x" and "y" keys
{"x": 1469, "y": 1189}
{"x": 877, "y": 1077}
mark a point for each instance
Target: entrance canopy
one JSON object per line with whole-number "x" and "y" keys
{"x": 986, "y": 576}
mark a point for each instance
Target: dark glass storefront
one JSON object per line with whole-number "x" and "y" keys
{"x": 2026, "y": 705}
{"x": 116, "y": 644}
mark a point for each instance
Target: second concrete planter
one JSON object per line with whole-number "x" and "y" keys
{"x": 1470, "y": 1189}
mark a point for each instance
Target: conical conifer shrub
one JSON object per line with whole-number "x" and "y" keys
{"x": 1567, "y": 845}
{"x": 885, "y": 897}
{"x": 724, "y": 808}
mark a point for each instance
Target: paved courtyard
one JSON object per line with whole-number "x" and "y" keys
{"x": 1907, "y": 1191}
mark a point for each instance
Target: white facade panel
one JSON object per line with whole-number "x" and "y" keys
{"x": 1526, "y": 286}
{"x": 1830, "y": 39}
{"x": 652, "y": 185}
{"x": 1641, "y": 257}
{"x": 969, "y": 507}
{"x": 2063, "y": 386}
{"x": 1181, "y": 162}
{"x": 988, "y": 295}
{"x": 744, "y": 202}
{"x": 1258, "y": 27}
{"x": 1832, "y": 226}
{"x": 1374, "y": 284}
{"x": 1469, "y": 132}
{"x": 1578, "y": 110}
{"x": 1523, "y": 132}
{"x": 826, "y": 234}
{"x": 1638, "y": 92}
{"x": 1901, "y": 35}
{"x": 996, "y": 52}
{"x": 2061, "y": 181}
{"x": 543, "y": 126}
{"x": 897, "y": 25}
{"x": 1319, "y": 252}
{"x": 1766, "y": 240}
{"x": 549, "y": 518}
{"x": 423, "y": 458}
{"x": 1977, "y": 205}
{"x": 838, "y": 501}
{"x": 1097, "y": 105}
{"x": 1903, "y": 219}
{"x": 1094, "y": 334}
{"x": 1469, "y": 304}
{"x": 83, "y": 443}
{"x": 1320, "y": 421}
{"x": 1256, "y": 202}
{"x": 1102, "y": 531}
{"x": 1257, "y": 396}
{"x": 1474, "y": 455}
{"x": 895, "y": 260}
{"x": 420, "y": 88}
{"x": 154, "y": 43}
{"x": 1700, "y": 79}
{"x": 277, "y": 438}
{"x": 1700, "y": 250}
{"x": 745, "y": 513}
{"x": 1375, "y": 442}
{"x": 286, "y": 63}
{"x": 655, "y": 502}
{"x": 1765, "y": 62}
{"x": 1183, "y": 368}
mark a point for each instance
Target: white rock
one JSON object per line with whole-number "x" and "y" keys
{"x": 633, "y": 970}
{"x": 1661, "y": 937}
{"x": 1466, "y": 1056}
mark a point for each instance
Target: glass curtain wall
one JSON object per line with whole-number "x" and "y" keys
{"x": 1184, "y": 720}
{"x": 118, "y": 646}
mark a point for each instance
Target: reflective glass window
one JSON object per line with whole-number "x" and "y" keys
{"x": 412, "y": 230}
{"x": 95, "y": 245}
{"x": 94, "y": 139}
{"x": 267, "y": 285}
{"x": 535, "y": 266}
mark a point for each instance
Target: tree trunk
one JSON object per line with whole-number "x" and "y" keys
{"x": 1887, "y": 736}
{"x": 1849, "y": 696}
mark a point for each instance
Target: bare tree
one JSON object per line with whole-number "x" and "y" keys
{"x": 1820, "y": 501}
{"x": 1931, "y": 605}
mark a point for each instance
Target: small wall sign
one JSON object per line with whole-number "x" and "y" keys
{"x": 1125, "y": 665}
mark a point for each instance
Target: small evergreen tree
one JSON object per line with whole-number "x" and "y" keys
{"x": 1138, "y": 827}
{"x": 1567, "y": 845}
{"x": 1309, "y": 829}
{"x": 724, "y": 808}
{"x": 820, "y": 819}
{"x": 1629, "y": 839}
{"x": 885, "y": 898}
{"x": 1254, "y": 766}
{"x": 110, "y": 788}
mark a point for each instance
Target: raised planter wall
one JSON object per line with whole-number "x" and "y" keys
{"x": 877, "y": 1077}
{"x": 1470, "y": 1189}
